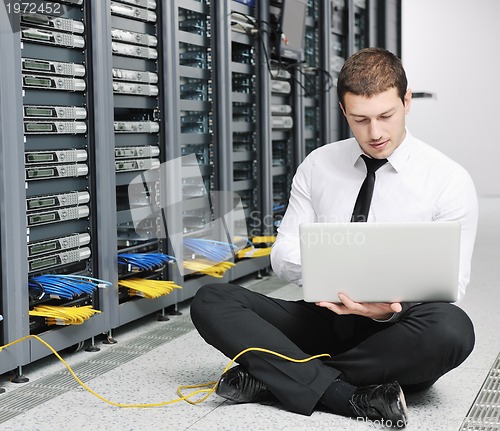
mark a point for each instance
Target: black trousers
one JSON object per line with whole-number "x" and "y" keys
{"x": 426, "y": 342}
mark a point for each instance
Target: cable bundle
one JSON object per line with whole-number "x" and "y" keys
{"x": 206, "y": 267}
{"x": 58, "y": 315}
{"x": 215, "y": 251}
{"x": 264, "y": 239}
{"x": 62, "y": 286}
{"x": 254, "y": 252}
{"x": 148, "y": 288}
{"x": 144, "y": 261}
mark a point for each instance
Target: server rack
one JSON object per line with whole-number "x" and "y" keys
{"x": 197, "y": 79}
{"x": 286, "y": 116}
{"x": 248, "y": 121}
{"x": 58, "y": 154}
{"x": 283, "y": 138}
{"x": 136, "y": 45}
{"x": 384, "y": 26}
{"x": 337, "y": 46}
{"x": 12, "y": 211}
{"x": 103, "y": 131}
{"x": 346, "y": 27}
{"x": 316, "y": 80}
{"x": 249, "y": 149}
{"x": 359, "y": 22}
{"x": 198, "y": 66}
{"x": 59, "y": 181}
{"x": 242, "y": 101}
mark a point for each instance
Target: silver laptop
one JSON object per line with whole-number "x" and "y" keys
{"x": 380, "y": 262}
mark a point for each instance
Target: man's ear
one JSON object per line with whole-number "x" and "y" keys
{"x": 343, "y": 110}
{"x": 407, "y": 100}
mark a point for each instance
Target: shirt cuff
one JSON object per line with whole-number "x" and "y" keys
{"x": 393, "y": 318}
{"x": 396, "y": 316}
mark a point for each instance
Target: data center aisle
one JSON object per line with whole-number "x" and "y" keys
{"x": 153, "y": 358}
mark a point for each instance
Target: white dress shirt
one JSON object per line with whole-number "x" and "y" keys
{"x": 418, "y": 183}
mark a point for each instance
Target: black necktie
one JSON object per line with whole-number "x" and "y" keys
{"x": 364, "y": 199}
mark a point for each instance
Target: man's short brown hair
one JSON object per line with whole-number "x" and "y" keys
{"x": 371, "y": 71}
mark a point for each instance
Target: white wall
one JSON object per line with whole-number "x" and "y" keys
{"x": 452, "y": 48}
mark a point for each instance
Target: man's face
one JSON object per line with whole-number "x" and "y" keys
{"x": 377, "y": 122}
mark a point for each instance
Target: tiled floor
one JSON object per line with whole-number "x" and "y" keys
{"x": 185, "y": 359}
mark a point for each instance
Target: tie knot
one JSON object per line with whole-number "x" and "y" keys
{"x": 373, "y": 164}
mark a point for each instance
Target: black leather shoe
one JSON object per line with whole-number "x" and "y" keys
{"x": 237, "y": 385}
{"x": 383, "y": 403}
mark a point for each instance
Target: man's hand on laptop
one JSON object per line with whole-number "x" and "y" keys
{"x": 373, "y": 310}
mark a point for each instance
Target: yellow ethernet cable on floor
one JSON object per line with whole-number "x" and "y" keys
{"x": 60, "y": 315}
{"x": 208, "y": 267}
{"x": 149, "y": 288}
{"x": 210, "y": 387}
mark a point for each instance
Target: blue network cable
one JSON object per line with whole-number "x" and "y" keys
{"x": 65, "y": 286}
{"x": 144, "y": 261}
{"x": 278, "y": 207}
{"x": 216, "y": 251}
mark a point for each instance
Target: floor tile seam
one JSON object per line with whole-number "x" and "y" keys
{"x": 204, "y": 416}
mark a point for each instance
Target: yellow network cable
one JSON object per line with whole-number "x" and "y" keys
{"x": 60, "y": 315}
{"x": 257, "y": 251}
{"x": 213, "y": 385}
{"x": 210, "y": 386}
{"x": 263, "y": 239}
{"x": 207, "y": 267}
{"x": 254, "y": 252}
{"x": 149, "y": 288}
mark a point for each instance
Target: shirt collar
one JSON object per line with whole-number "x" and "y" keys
{"x": 401, "y": 154}
{"x": 397, "y": 159}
